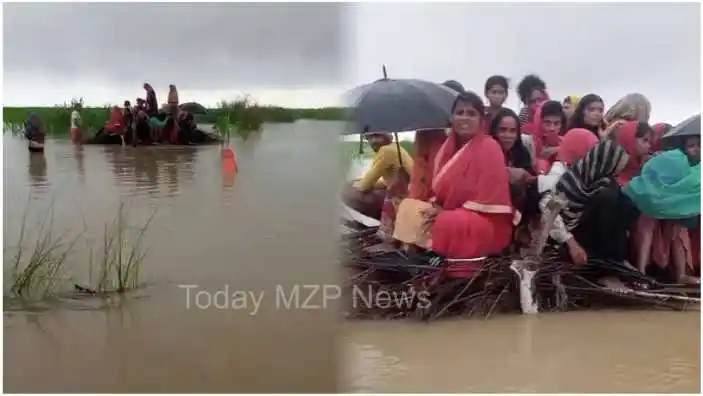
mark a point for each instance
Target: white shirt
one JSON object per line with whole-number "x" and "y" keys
{"x": 547, "y": 182}
{"x": 75, "y": 119}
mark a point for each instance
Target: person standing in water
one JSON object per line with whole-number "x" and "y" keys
{"x": 76, "y": 136}
{"x": 496, "y": 91}
{"x": 152, "y": 105}
{"x": 128, "y": 114}
{"x": 34, "y": 132}
{"x": 173, "y": 102}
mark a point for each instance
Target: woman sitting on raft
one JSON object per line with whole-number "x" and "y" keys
{"x": 597, "y": 213}
{"x": 589, "y": 115}
{"x": 470, "y": 214}
{"x": 667, "y": 193}
{"x": 425, "y": 147}
{"x": 574, "y": 146}
{"x": 384, "y": 184}
{"x": 569, "y": 104}
{"x": 636, "y": 138}
{"x": 505, "y": 129}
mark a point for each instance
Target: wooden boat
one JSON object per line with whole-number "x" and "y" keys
{"x": 423, "y": 286}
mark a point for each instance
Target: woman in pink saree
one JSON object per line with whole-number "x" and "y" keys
{"x": 471, "y": 213}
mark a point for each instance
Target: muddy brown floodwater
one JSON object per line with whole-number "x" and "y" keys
{"x": 212, "y": 230}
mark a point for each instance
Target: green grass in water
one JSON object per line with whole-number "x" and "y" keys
{"x": 37, "y": 269}
{"x": 242, "y": 112}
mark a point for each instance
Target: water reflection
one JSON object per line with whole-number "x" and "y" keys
{"x": 38, "y": 171}
{"x": 150, "y": 168}
{"x": 79, "y": 155}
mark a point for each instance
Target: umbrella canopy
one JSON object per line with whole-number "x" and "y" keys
{"x": 395, "y": 105}
{"x": 455, "y": 85}
{"x": 689, "y": 127}
{"x": 193, "y": 107}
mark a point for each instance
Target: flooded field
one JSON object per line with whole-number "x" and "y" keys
{"x": 275, "y": 222}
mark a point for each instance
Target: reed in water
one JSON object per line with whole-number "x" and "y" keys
{"x": 36, "y": 274}
{"x": 39, "y": 269}
{"x": 120, "y": 257}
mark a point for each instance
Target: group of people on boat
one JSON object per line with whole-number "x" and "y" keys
{"x": 482, "y": 185}
{"x": 142, "y": 123}
{"x": 147, "y": 123}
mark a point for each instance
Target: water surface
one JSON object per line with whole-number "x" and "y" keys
{"x": 211, "y": 229}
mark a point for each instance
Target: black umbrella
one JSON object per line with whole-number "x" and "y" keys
{"x": 455, "y": 85}
{"x": 676, "y": 136}
{"x": 193, "y": 107}
{"x": 689, "y": 127}
{"x": 395, "y": 105}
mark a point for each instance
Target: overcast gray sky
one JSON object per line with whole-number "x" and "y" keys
{"x": 104, "y": 51}
{"x": 307, "y": 55}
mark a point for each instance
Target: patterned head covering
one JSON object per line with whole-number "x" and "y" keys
{"x": 632, "y": 107}
{"x": 587, "y": 176}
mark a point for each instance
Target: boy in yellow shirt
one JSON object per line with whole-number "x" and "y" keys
{"x": 379, "y": 191}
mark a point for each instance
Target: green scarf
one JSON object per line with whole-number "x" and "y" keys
{"x": 668, "y": 187}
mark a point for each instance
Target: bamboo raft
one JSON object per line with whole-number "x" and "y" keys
{"x": 537, "y": 280}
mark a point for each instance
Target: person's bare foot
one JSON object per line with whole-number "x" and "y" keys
{"x": 615, "y": 285}
{"x": 689, "y": 280}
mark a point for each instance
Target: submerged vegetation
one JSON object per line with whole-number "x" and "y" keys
{"x": 240, "y": 117}
{"x": 120, "y": 257}
{"x": 242, "y": 112}
{"x": 36, "y": 274}
{"x": 38, "y": 269}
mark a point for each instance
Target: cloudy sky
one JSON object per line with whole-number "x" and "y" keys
{"x": 308, "y": 55}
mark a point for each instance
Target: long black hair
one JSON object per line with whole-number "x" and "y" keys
{"x": 577, "y": 120}
{"x": 518, "y": 156}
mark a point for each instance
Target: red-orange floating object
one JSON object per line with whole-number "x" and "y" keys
{"x": 229, "y": 161}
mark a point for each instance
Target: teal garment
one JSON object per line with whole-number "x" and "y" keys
{"x": 155, "y": 122}
{"x": 668, "y": 187}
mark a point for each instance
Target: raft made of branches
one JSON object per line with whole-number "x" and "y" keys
{"x": 384, "y": 282}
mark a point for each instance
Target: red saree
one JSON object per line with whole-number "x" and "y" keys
{"x": 427, "y": 144}
{"x": 470, "y": 184}
{"x": 116, "y": 123}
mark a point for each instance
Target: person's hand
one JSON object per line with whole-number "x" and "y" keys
{"x": 578, "y": 255}
{"x": 430, "y": 215}
{"x": 612, "y": 127}
{"x": 518, "y": 175}
{"x": 529, "y": 178}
